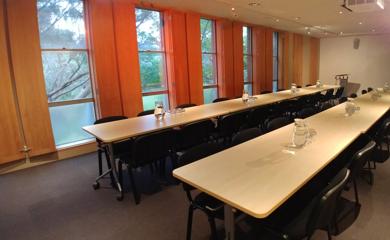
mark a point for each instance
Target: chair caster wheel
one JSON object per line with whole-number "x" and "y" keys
{"x": 120, "y": 197}
{"x": 96, "y": 185}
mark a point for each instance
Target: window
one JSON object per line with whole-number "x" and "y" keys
{"x": 247, "y": 47}
{"x": 151, "y": 53}
{"x": 66, "y": 68}
{"x": 209, "y": 60}
{"x": 275, "y": 55}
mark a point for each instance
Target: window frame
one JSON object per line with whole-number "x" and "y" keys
{"x": 249, "y": 55}
{"x": 163, "y": 53}
{"x": 87, "y": 52}
{"x": 211, "y": 53}
{"x": 275, "y": 58}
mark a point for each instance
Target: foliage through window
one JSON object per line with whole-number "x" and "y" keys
{"x": 151, "y": 57}
{"x": 209, "y": 60}
{"x": 248, "y": 56}
{"x": 66, "y": 68}
{"x": 275, "y": 61}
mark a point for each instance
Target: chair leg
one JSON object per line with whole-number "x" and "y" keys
{"x": 100, "y": 162}
{"x": 133, "y": 186}
{"x": 329, "y": 234}
{"x": 120, "y": 172}
{"x": 213, "y": 228}
{"x": 189, "y": 222}
{"x": 356, "y": 191}
{"x": 109, "y": 167}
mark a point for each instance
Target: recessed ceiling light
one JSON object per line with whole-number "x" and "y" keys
{"x": 233, "y": 9}
{"x": 297, "y": 18}
{"x": 309, "y": 33}
{"x": 341, "y": 12}
{"x": 277, "y": 20}
{"x": 373, "y": 30}
{"x": 326, "y": 33}
{"x": 341, "y": 33}
{"x": 360, "y": 23}
{"x": 306, "y": 28}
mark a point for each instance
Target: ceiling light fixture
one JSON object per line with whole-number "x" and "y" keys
{"x": 373, "y": 30}
{"x": 297, "y": 18}
{"x": 341, "y": 33}
{"x": 254, "y": 4}
{"x": 341, "y": 12}
{"x": 360, "y": 23}
{"x": 233, "y": 9}
{"x": 277, "y": 20}
{"x": 306, "y": 28}
{"x": 308, "y": 33}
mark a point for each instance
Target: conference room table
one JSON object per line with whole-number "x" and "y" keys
{"x": 258, "y": 176}
{"x": 112, "y": 132}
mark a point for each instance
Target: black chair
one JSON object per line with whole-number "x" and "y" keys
{"x": 306, "y": 112}
{"x": 382, "y": 137}
{"x": 230, "y": 124}
{"x": 246, "y": 135}
{"x": 357, "y": 163}
{"x": 222, "y": 99}
{"x": 319, "y": 214}
{"x": 326, "y": 106}
{"x": 353, "y": 95}
{"x": 342, "y": 100}
{"x": 277, "y": 123}
{"x": 146, "y": 112}
{"x": 147, "y": 150}
{"x": 186, "y": 105}
{"x": 299, "y": 86}
{"x": 327, "y": 96}
{"x": 212, "y": 207}
{"x": 193, "y": 134}
{"x": 120, "y": 150}
{"x": 309, "y": 85}
{"x": 265, "y": 92}
{"x": 338, "y": 94}
{"x": 364, "y": 91}
{"x": 281, "y": 89}
{"x": 257, "y": 117}
{"x": 369, "y": 89}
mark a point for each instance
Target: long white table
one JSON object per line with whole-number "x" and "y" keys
{"x": 258, "y": 176}
{"x": 112, "y": 132}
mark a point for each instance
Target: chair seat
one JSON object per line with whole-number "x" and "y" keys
{"x": 209, "y": 203}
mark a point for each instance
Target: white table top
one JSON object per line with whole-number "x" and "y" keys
{"x": 123, "y": 129}
{"x": 258, "y": 176}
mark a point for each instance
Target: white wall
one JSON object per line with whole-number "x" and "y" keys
{"x": 369, "y": 65}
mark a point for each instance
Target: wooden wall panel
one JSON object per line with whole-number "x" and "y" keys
{"x": 28, "y": 72}
{"x": 224, "y": 31}
{"x": 314, "y": 59}
{"x": 194, "y": 54}
{"x": 258, "y": 44}
{"x": 176, "y": 52}
{"x": 298, "y": 59}
{"x": 268, "y": 59}
{"x": 238, "y": 59}
{"x": 103, "y": 52}
{"x": 127, "y": 56}
{"x": 11, "y": 138}
{"x": 286, "y": 56}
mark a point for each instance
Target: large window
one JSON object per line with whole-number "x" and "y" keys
{"x": 151, "y": 57}
{"x": 248, "y": 66}
{"x": 209, "y": 60}
{"x": 66, "y": 68}
{"x": 275, "y": 55}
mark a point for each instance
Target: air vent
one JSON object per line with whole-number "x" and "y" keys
{"x": 365, "y": 5}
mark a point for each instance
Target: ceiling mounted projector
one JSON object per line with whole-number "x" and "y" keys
{"x": 364, "y": 5}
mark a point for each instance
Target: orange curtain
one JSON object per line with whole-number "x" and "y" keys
{"x": 258, "y": 44}
{"x": 314, "y": 59}
{"x": 238, "y": 59}
{"x": 298, "y": 59}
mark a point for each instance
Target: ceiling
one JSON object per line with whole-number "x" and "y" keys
{"x": 320, "y": 18}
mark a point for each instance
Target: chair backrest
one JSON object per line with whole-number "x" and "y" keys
{"x": 353, "y": 95}
{"x": 231, "y": 123}
{"x": 186, "y": 105}
{"x": 246, "y": 135}
{"x": 109, "y": 119}
{"x": 265, "y": 92}
{"x": 360, "y": 158}
{"x": 315, "y": 98}
{"x": 326, "y": 105}
{"x": 343, "y": 99}
{"x": 193, "y": 134}
{"x": 364, "y": 91}
{"x": 309, "y": 85}
{"x": 257, "y": 116}
{"x": 220, "y": 99}
{"x": 328, "y": 94}
{"x": 339, "y": 92}
{"x": 277, "y": 123}
{"x": 324, "y": 209}
{"x": 369, "y": 89}
{"x": 146, "y": 112}
{"x": 281, "y": 89}
{"x": 198, "y": 152}
{"x": 306, "y": 112}
{"x": 151, "y": 147}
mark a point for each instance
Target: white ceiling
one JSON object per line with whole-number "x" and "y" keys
{"x": 316, "y": 16}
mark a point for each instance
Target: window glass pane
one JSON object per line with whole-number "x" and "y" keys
{"x": 248, "y": 88}
{"x": 246, "y": 40}
{"x": 68, "y": 120}
{"x": 149, "y": 101}
{"x": 148, "y": 25}
{"x": 152, "y": 71}
{"x": 210, "y": 94}
{"x": 275, "y": 86}
{"x": 61, "y": 24}
{"x": 275, "y": 60}
{"x": 207, "y": 35}
{"x": 208, "y": 69}
{"x": 66, "y": 75}
{"x": 275, "y": 72}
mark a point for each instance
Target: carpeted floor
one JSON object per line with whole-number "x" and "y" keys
{"x": 56, "y": 201}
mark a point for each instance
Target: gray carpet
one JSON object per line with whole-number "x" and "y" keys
{"x": 56, "y": 201}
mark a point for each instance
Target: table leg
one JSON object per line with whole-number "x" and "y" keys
{"x": 229, "y": 222}
{"x": 115, "y": 171}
